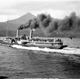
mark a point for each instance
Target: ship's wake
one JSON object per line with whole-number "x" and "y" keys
{"x": 66, "y": 50}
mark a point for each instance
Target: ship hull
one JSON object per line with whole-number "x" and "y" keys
{"x": 44, "y": 45}
{"x": 27, "y": 43}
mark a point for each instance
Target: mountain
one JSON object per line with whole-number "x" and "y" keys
{"x": 15, "y": 23}
{"x": 23, "y": 19}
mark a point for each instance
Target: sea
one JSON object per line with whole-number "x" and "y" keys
{"x": 29, "y": 64}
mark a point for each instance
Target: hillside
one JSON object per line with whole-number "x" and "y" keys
{"x": 23, "y": 19}
{"x": 14, "y": 24}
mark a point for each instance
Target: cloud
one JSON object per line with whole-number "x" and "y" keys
{"x": 4, "y": 18}
{"x": 57, "y": 8}
{"x": 52, "y": 6}
{"x": 54, "y": 13}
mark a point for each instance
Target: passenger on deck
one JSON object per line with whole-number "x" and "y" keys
{"x": 24, "y": 37}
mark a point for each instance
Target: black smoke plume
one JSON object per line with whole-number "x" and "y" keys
{"x": 50, "y": 25}
{"x": 47, "y": 24}
{"x": 32, "y": 24}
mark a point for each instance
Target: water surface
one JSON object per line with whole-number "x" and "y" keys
{"x": 16, "y": 63}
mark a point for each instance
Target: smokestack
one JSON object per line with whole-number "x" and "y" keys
{"x": 17, "y": 34}
{"x": 31, "y": 34}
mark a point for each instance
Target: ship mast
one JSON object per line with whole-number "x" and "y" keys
{"x": 7, "y": 29}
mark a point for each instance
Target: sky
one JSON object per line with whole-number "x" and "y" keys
{"x": 12, "y": 9}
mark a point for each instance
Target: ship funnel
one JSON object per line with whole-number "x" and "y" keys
{"x": 31, "y": 33}
{"x": 17, "y": 33}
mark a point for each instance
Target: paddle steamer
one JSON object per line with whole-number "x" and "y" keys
{"x": 41, "y": 42}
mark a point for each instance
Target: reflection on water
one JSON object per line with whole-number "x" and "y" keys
{"x": 54, "y": 66}
{"x": 16, "y": 63}
{"x": 71, "y": 68}
{"x": 45, "y": 66}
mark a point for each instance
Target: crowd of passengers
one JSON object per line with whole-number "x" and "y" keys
{"x": 39, "y": 39}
